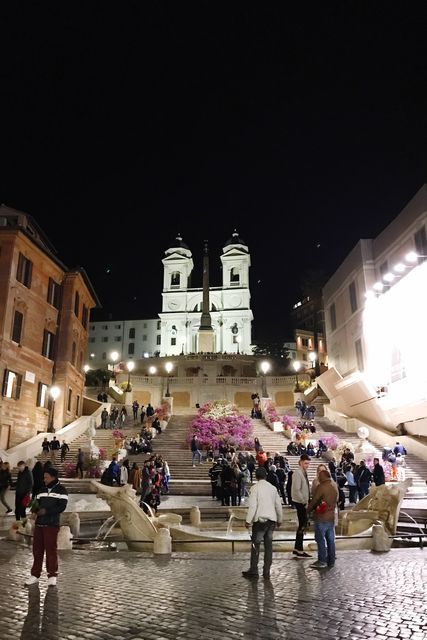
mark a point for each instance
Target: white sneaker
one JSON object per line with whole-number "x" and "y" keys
{"x": 31, "y": 580}
{"x": 194, "y": 466}
{"x": 51, "y": 582}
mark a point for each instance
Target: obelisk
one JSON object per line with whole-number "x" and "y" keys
{"x": 206, "y": 332}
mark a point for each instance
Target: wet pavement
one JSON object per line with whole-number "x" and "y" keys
{"x": 135, "y": 596}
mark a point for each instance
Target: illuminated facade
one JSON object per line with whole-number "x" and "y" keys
{"x": 375, "y": 310}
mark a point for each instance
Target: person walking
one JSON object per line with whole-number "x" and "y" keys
{"x": 300, "y": 498}
{"x": 195, "y": 450}
{"x": 5, "y": 483}
{"x": 80, "y": 461}
{"x": 264, "y": 515}
{"x": 323, "y": 504}
{"x": 378, "y": 473}
{"x": 52, "y": 500}
{"x": 23, "y": 487}
{"x": 64, "y": 449}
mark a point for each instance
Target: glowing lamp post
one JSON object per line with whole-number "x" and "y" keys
{"x": 297, "y": 366}
{"x": 265, "y": 368}
{"x": 54, "y": 394}
{"x": 130, "y": 367}
{"x": 86, "y": 368}
{"x": 168, "y": 367}
{"x": 312, "y": 358}
{"x": 114, "y": 356}
{"x": 152, "y": 371}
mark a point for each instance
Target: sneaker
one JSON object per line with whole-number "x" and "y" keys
{"x": 318, "y": 565}
{"x": 194, "y": 466}
{"x": 51, "y": 582}
{"x": 250, "y": 575}
{"x": 31, "y": 580}
{"x": 8, "y": 512}
{"x": 301, "y": 554}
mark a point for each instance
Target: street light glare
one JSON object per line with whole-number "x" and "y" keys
{"x": 168, "y": 367}
{"x": 265, "y": 367}
{"x": 86, "y": 368}
{"x": 114, "y": 356}
{"x": 411, "y": 256}
{"x": 152, "y": 370}
{"x": 55, "y": 392}
{"x": 130, "y": 365}
{"x": 296, "y": 365}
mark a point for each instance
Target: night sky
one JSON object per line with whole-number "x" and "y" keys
{"x": 304, "y": 128}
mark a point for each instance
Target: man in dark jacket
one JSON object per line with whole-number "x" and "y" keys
{"x": 52, "y": 499}
{"x": 378, "y": 473}
{"x": 23, "y": 486}
{"x": 363, "y": 478}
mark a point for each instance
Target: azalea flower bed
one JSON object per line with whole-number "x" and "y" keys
{"x": 218, "y": 423}
{"x": 164, "y": 411}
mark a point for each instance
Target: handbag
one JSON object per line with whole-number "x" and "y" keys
{"x": 25, "y": 501}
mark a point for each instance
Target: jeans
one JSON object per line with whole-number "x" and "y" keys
{"x": 352, "y": 491}
{"x": 324, "y": 534}
{"x": 196, "y": 453}
{"x": 262, "y": 532}
{"x": 302, "y": 524}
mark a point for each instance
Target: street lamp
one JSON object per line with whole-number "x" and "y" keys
{"x": 297, "y": 366}
{"x": 114, "y": 356}
{"x": 152, "y": 371}
{"x": 238, "y": 341}
{"x": 130, "y": 367}
{"x": 54, "y": 394}
{"x": 168, "y": 367}
{"x": 265, "y": 368}
{"x": 86, "y": 368}
{"x": 312, "y": 357}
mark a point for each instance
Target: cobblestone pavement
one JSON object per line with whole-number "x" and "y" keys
{"x": 133, "y": 596}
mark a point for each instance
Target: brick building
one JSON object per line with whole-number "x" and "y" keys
{"x": 44, "y": 316}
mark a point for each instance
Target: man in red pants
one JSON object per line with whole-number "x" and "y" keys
{"x": 52, "y": 499}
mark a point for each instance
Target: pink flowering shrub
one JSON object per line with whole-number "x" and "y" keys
{"x": 117, "y": 434}
{"x": 69, "y": 470}
{"x": 386, "y": 465}
{"x": 218, "y": 424}
{"x": 102, "y": 453}
{"x": 270, "y": 413}
{"x": 330, "y": 441}
{"x": 289, "y": 422}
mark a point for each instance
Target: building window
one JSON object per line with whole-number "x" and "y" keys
{"x": 145, "y": 325}
{"x": 48, "y": 342}
{"x": 70, "y": 398}
{"x": 383, "y": 269}
{"x": 304, "y": 356}
{"x": 18, "y": 319}
{"x": 92, "y": 328}
{"x": 104, "y": 355}
{"x": 105, "y": 327}
{"x": 84, "y": 316}
{"x": 159, "y": 325}
{"x": 175, "y": 279}
{"x": 73, "y": 354}
{"x": 53, "y": 293}
{"x": 353, "y": 297}
{"x": 12, "y": 384}
{"x": 42, "y": 395}
{"x": 144, "y": 338}
{"x": 24, "y": 271}
{"x": 234, "y": 276}
{"x": 104, "y": 339}
{"x": 117, "y": 326}
{"x": 173, "y": 342}
{"x": 92, "y": 339}
{"x": 77, "y": 304}
{"x": 420, "y": 240}
{"x": 304, "y": 342}
{"x": 77, "y": 406}
{"x": 333, "y": 316}
{"x": 159, "y": 340}
{"x": 80, "y": 363}
{"x": 132, "y": 334}
{"x": 117, "y": 338}
{"x": 131, "y": 348}
{"x": 359, "y": 354}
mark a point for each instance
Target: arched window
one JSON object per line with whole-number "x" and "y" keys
{"x": 234, "y": 276}
{"x": 175, "y": 279}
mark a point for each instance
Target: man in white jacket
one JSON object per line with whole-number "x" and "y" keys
{"x": 264, "y": 514}
{"x": 300, "y": 499}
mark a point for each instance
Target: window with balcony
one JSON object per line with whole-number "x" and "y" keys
{"x": 24, "y": 271}
{"x": 353, "y": 297}
{"x": 76, "y": 304}
{"x": 42, "y": 395}
{"x": 53, "y": 292}
{"x": 48, "y": 344}
{"x": 18, "y": 319}
{"x": 12, "y": 382}
{"x": 333, "y": 316}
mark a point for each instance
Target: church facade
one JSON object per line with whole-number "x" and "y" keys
{"x": 229, "y": 304}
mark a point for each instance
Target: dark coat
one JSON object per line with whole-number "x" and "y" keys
{"x": 53, "y": 498}
{"x": 24, "y": 482}
{"x": 378, "y": 475}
